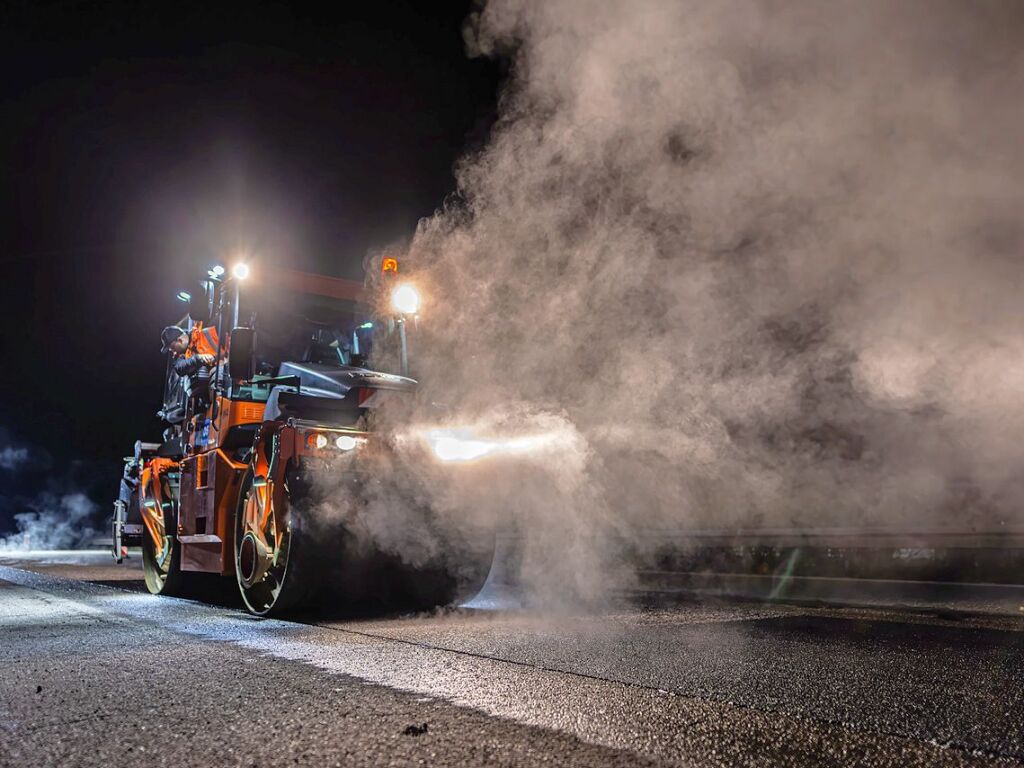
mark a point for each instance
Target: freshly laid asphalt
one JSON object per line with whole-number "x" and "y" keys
{"x": 97, "y": 672}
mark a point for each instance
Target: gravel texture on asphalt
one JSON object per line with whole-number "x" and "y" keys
{"x": 98, "y": 673}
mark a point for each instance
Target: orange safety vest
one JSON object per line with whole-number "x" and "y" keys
{"x": 202, "y": 341}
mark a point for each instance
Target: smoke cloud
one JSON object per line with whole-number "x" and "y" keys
{"x": 764, "y": 260}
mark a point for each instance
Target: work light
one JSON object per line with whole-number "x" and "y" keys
{"x": 405, "y": 300}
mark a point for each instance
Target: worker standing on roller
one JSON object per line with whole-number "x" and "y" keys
{"x": 194, "y": 352}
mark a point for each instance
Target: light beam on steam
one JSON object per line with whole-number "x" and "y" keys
{"x": 461, "y": 445}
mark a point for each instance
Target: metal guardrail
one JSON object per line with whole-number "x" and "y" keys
{"x": 1010, "y": 537}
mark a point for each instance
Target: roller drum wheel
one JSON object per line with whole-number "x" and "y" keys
{"x": 294, "y": 559}
{"x": 277, "y": 560}
{"x": 162, "y": 569}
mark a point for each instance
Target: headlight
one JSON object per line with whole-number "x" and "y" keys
{"x": 323, "y": 440}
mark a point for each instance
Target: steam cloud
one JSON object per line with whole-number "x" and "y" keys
{"x": 53, "y": 521}
{"x": 59, "y": 517}
{"x": 763, "y": 258}
{"x": 11, "y": 458}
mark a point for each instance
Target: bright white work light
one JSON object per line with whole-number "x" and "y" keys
{"x": 405, "y": 300}
{"x": 240, "y": 271}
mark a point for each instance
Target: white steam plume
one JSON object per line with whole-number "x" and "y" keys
{"x": 764, "y": 258}
{"x": 56, "y": 518}
{"x": 52, "y": 521}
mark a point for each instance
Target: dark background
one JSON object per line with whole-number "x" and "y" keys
{"x": 143, "y": 142}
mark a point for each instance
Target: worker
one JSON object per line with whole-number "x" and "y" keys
{"x": 194, "y": 352}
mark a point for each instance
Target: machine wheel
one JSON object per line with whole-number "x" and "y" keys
{"x": 276, "y": 564}
{"x": 162, "y": 569}
{"x": 287, "y": 560}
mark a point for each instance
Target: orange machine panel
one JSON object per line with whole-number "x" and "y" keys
{"x": 232, "y": 413}
{"x": 209, "y": 496}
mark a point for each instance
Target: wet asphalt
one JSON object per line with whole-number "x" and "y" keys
{"x": 97, "y": 672}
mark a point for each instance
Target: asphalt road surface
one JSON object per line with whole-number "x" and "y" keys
{"x": 97, "y": 672}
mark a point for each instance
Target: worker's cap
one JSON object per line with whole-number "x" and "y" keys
{"x": 169, "y": 334}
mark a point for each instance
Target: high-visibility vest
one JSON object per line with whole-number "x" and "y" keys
{"x": 202, "y": 341}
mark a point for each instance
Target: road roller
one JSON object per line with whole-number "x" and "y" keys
{"x": 269, "y": 451}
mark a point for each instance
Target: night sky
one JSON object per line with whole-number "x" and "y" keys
{"x": 142, "y": 143}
